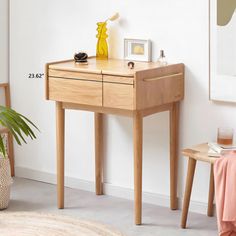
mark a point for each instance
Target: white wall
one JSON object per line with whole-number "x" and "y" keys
{"x": 3, "y": 41}
{"x": 43, "y": 31}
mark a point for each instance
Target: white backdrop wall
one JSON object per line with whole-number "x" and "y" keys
{"x": 3, "y": 41}
{"x": 43, "y": 31}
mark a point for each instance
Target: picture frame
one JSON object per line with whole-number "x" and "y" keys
{"x": 222, "y": 50}
{"x": 137, "y": 49}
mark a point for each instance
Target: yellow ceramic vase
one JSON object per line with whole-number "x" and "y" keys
{"x": 102, "y": 47}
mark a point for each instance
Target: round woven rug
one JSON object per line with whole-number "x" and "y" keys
{"x": 40, "y": 224}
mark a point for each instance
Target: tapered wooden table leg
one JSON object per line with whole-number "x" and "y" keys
{"x": 174, "y": 141}
{"x": 138, "y": 144}
{"x": 211, "y": 193}
{"x": 60, "y": 133}
{"x": 98, "y": 124}
{"x": 188, "y": 190}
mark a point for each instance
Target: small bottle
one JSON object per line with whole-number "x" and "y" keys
{"x": 162, "y": 59}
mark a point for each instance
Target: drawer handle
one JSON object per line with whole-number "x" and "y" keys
{"x": 162, "y": 77}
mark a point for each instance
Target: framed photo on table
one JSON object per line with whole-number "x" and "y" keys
{"x": 222, "y": 22}
{"x": 137, "y": 50}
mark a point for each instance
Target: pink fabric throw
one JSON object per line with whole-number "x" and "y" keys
{"x": 225, "y": 193}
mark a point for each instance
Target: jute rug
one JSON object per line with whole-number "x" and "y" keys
{"x": 39, "y": 224}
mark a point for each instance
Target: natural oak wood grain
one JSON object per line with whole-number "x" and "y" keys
{"x": 98, "y": 109}
{"x": 10, "y": 136}
{"x": 194, "y": 154}
{"x": 7, "y": 96}
{"x": 10, "y": 150}
{"x": 74, "y": 75}
{"x": 46, "y": 76}
{"x": 210, "y": 209}
{"x": 77, "y": 91}
{"x": 199, "y": 153}
{"x": 3, "y": 85}
{"x": 11, "y": 153}
{"x": 60, "y": 135}
{"x": 118, "y": 79}
{"x": 174, "y": 133}
{"x": 116, "y": 67}
{"x": 4, "y": 130}
{"x": 98, "y": 123}
{"x": 158, "y": 86}
{"x": 70, "y": 65}
{"x": 188, "y": 190}
{"x": 163, "y": 77}
{"x": 118, "y": 96}
{"x": 111, "y": 87}
{"x": 138, "y": 152}
{"x": 156, "y": 109}
{"x": 46, "y": 82}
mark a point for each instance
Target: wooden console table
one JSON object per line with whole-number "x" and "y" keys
{"x": 110, "y": 87}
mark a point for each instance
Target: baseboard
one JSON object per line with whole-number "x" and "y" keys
{"x": 109, "y": 189}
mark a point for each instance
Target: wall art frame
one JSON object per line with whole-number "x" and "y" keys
{"x": 222, "y": 50}
{"x": 137, "y": 50}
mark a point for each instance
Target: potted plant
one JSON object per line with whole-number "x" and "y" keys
{"x": 20, "y": 127}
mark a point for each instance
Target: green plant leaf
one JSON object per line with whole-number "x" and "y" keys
{"x": 17, "y": 124}
{"x": 2, "y": 147}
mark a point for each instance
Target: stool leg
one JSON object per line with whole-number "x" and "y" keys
{"x": 211, "y": 193}
{"x": 188, "y": 190}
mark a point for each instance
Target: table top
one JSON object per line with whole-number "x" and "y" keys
{"x": 109, "y": 67}
{"x": 199, "y": 152}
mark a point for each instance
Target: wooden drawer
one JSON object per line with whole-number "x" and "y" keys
{"x": 74, "y": 75}
{"x": 118, "y": 79}
{"x": 118, "y": 96}
{"x": 75, "y": 91}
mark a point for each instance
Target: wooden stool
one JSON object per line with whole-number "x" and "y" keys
{"x": 6, "y": 131}
{"x": 197, "y": 153}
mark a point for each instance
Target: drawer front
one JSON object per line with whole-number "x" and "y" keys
{"x": 75, "y": 91}
{"x": 74, "y": 75}
{"x": 118, "y": 79}
{"x": 118, "y": 96}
